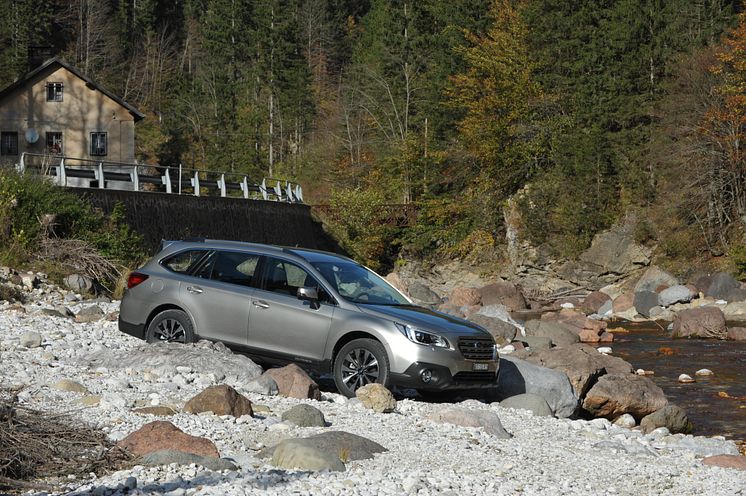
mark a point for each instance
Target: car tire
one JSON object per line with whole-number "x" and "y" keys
{"x": 172, "y": 326}
{"x": 360, "y": 362}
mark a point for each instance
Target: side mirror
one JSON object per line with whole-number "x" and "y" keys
{"x": 310, "y": 294}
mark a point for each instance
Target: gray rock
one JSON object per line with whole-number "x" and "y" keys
{"x": 78, "y": 283}
{"x": 644, "y": 301}
{"x": 304, "y": 416}
{"x": 675, "y": 294}
{"x": 69, "y": 386}
{"x": 423, "y": 295}
{"x": 30, "y": 339}
{"x": 653, "y": 278}
{"x": 700, "y": 446}
{"x": 353, "y": 447}
{"x": 556, "y": 332}
{"x": 376, "y": 397}
{"x": 90, "y": 313}
{"x": 263, "y": 384}
{"x": 534, "y": 403}
{"x": 616, "y": 252}
{"x": 536, "y": 343}
{"x": 296, "y": 454}
{"x": 167, "y": 456}
{"x": 670, "y": 416}
{"x": 605, "y": 308}
{"x": 722, "y": 284}
{"x": 738, "y": 294}
{"x": 502, "y": 331}
{"x": 518, "y": 377}
{"x": 487, "y": 420}
{"x": 60, "y": 311}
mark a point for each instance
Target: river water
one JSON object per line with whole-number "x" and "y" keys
{"x": 714, "y": 404}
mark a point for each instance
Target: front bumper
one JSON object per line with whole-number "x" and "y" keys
{"x": 136, "y": 330}
{"x": 441, "y": 378}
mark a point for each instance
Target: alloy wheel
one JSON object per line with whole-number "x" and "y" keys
{"x": 359, "y": 367}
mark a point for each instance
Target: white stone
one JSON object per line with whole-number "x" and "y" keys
{"x": 685, "y": 378}
{"x": 626, "y": 420}
{"x": 567, "y": 304}
{"x": 704, "y": 372}
{"x": 606, "y": 350}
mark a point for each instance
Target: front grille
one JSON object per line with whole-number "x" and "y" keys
{"x": 475, "y": 377}
{"x": 477, "y": 348}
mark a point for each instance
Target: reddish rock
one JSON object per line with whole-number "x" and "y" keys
{"x": 606, "y": 337}
{"x": 701, "y": 322}
{"x": 726, "y": 461}
{"x": 616, "y": 394}
{"x": 665, "y": 350}
{"x": 395, "y": 280}
{"x": 503, "y": 293}
{"x": 702, "y": 283}
{"x": 737, "y": 333}
{"x": 589, "y": 336}
{"x": 518, "y": 345}
{"x": 694, "y": 289}
{"x": 465, "y": 297}
{"x": 293, "y": 382}
{"x": 594, "y": 301}
{"x": 160, "y": 435}
{"x": 623, "y": 303}
{"x": 220, "y": 400}
{"x": 661, "y": 287}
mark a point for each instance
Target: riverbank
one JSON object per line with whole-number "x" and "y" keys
{"x": 543, "y": 455}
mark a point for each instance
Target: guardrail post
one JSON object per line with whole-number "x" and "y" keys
{"x": 263, "y": 188}
{"x": 299, "y": 193}
{"x": 245, "y": 187}
{"x": 289, "y": 192}
{"x": 135, "y": 178}
{"x": 61, "y": 177}
{"x": 278, "y": 191}
{"x": 101, "y": 180}
{"x": 166, "y": 179}
{"x": 221, "y": 185}
{"x": 21, "y": 167}
{"x": 195, "y": 183}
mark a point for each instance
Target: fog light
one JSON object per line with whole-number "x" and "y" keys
{"x": 426, "y": 376}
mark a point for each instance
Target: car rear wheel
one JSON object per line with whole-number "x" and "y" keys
{"x": 171, "y": 326}
{"x": 360, "y": 362}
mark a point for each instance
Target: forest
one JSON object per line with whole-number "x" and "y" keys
{"x": 573, "y": 112}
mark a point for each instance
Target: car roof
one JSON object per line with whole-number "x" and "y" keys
{"x": 306, "y": 254}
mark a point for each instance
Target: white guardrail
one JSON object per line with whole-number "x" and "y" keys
{"x": 81, "y": 172}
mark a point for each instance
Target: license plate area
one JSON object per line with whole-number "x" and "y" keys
{"x": 480, "y": 366}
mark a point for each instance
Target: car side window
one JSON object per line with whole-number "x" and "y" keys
{"x": 183, "y": 262}
{"x": 286, "y": 277}
{"x": 235, "y": 267}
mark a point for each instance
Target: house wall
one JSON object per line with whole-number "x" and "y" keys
{"x": 82, "y": 111}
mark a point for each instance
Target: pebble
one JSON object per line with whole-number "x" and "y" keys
{"x": 704, "y": 372}
{"x": 686, "y": 379}
{"x": 544, "y": 456}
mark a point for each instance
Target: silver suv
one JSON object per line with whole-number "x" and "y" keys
{"x": 322, "y": 311}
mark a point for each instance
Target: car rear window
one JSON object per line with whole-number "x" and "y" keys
{"x": 183, "y": 262}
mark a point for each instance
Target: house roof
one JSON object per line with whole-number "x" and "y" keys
{"x": 89, "y": 82}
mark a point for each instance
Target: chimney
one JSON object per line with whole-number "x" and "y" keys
{"x": 37, "y": 55}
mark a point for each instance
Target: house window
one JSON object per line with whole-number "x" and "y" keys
{"x": 9, "y": 144}
{"x": 98, "y": 144}
{"x": 54, "y": 92}
{"x": 54, "y": 143}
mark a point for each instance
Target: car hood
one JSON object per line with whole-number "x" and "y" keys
{"x": 428, "y": 320}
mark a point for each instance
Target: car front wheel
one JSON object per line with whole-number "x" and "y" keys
{"x": 172, "y": 326}
{"x": 360, "y": 362}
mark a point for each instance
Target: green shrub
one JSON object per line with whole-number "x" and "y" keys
{"x": 738, "y": 257}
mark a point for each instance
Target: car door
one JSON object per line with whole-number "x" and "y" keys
{"x": 282, "y": 324}
{"x": 219, "y": 295}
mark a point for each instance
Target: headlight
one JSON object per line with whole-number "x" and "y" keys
{"x": 422, "y": 337}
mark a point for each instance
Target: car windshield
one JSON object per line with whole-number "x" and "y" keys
{"x": 357, "y": 284}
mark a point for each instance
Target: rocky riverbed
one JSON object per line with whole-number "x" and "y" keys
{"x": 85, "y": 367}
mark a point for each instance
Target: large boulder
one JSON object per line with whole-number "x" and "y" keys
{"x": 376, "y": 397}
{"x": 670, "y": 416}
{"x": 502, "y": 331}
{"x": 588, "y": 330}
{"x": 293, "y": 382}
{"x": 169, "y": 456}
{"x": 220, "y": 400}
{"x": 645, "y": 301}
{"x": 487, "y": 420}
{"x": 738, "y": 294}
{"x": 423, "y": 295}
{"x": 616, "y": 394}
{"x": 465, "y": 297}
{"x": 531, "y": 402}
{"x": 654, "y": 278}
{"x": 519, "y": 377}
{"x": 556, "y": 332}
{"x": 721, "y": 285}
{"x": 594, "y": 301}
{"x": 582, "y": 364}
{"x": 735, "y": 311}
{"x": 160, "y": 435}
{"x": 304, "y": 416}
{"x": 615, "y": 252}
{"x": 297, "y": 454}
{"x": 737, "y": 334}
{"x": 78, "y": 283}
{"x": 702, "y": 322}
{"x": 351, "y": 446}
{"x": 503, "y": 293}
{"x": 675, "y": 294}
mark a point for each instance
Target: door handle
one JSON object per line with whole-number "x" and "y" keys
{"x": 260, "y": 304}
{"x": 194, "y": 289}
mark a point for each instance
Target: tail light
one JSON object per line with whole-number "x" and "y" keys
{"x": 135, "y": 278}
